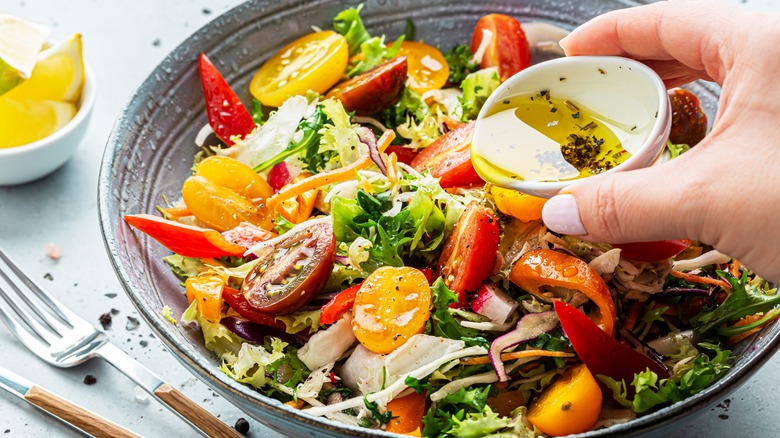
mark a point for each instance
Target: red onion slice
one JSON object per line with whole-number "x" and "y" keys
{"x": 367, "y": 137}
{"x": 529, "y": 327}
{"x": 256, "y": 333}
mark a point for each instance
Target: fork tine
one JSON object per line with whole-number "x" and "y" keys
{"x": 23, "y": 317}
{"x": 60, "y": 312}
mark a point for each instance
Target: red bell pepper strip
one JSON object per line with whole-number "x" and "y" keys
{"x": 545, "y": 267}
{"x": 428, "y": 273}
{"x": 652, "y": 251}
{"x": 236, "y": 300}
{"x": 185, "y": 240}
{"x": 339, "y": 305}
{"x": 227, "y": 115}
{"x": 600, "y": 352}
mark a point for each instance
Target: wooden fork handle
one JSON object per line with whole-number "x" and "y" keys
{"x": 76, "y": 415}
{"x": 198, "y": 416}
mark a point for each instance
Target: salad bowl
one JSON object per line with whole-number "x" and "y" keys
{"x": 150, "y": 149}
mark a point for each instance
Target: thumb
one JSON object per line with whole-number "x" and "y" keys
{"x": 656, "y": 203}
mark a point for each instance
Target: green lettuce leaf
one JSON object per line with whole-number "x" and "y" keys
{"x": 478, "y": 424}
{"x": 476, "y": 88}
{"x": 301, "y": 319}
{"x": 743, "y": 300}
{"x": 185, "y": 267}
{"x": 442, "y": 320}
{"x": 216, "y": 337}
{"x": 409, "y": 106}
{"x": 250, "y": 364}
{"x": 651, "y": 392}
{"x": 460, "y": 60}
{"x": 441, "y": 417}
{"x": 349, "y": 24}
{"x": 288, "y": 370}
{"x": 676, "y": 149}
{"x": 374, "y": 52}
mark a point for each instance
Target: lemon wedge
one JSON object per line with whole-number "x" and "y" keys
{"x": 20, "y": 42}
{"x": 23, "y": 122}
{"x": 58, "y": 75}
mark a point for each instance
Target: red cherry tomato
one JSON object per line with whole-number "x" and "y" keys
{"x": 449, "y": 158}
{"x": 405, "y": 155}
{"x": 236, "y": 300}
{"x": 374, "y": 90}
{"x": 470, "y": 253}
{"x": 291, "y": 272}
{"x": 227, "y": 115}
{"x": 508, "y": 47}
{"x": 652, "y": 251}
{"x": 689, "y": 123}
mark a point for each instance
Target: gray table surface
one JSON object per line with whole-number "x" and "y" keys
{"x": 123, "y": 41}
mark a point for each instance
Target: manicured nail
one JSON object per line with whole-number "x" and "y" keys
{"x": 562, "y": 43}
{"x": 561, "y": 215}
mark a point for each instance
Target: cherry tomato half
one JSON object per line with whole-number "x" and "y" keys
{"x": 449, "y": 158}
{"x": 234, "y": 175}
{"x": 219, "y": 207}
{"x": 427, "y": 68}
{"x": 470, "y": 253}
{"x": 291, "y": 272}
{"x": 391, "y": 306}
{"x": 374, "y": 90}
{"x": 689, "y": 123}
{"x": 313, "y": 62}
{"x": 508, "y": 47}
{"x": 652, "y": 251}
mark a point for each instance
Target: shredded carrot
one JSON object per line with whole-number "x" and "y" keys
{"x": 735, "y": 267}
{"x": 749, "y": 320}
{"x": 175, "y": 212}
{"x": 392, "y": 171}
{"x": 701, "y": 280}
{"x": 633, "y": 316}
{"x": 479, "y": 360}
{"x": 334, "y": 176}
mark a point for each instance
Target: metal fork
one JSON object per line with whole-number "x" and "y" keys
{"x": 64, "y": 339}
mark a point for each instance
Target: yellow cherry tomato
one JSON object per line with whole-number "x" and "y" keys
{"x": 234, "y": 175}
{"x": 391, "y": 306}
{"x": 206, "y": 289}
{"x": 572, "y": 404}
{"x": 524, "y": 207}
{"x": 314, "y": 62}
{"x": 426, "y": 66}
{"x": 220, "y": 208}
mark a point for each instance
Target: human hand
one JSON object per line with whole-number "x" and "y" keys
{"x": 726, "y": 190}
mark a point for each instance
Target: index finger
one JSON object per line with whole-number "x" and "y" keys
{"x": 694, "y": 33}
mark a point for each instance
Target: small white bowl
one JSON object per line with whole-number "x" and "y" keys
{"x": 22, "y": 164}
{"x": 618, "y": 88}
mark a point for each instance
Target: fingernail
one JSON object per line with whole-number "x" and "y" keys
{"x": 561, "y": 215}
{"x": 562, "y": 43}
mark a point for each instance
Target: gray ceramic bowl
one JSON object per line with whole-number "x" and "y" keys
{"x": 149, "y": 154}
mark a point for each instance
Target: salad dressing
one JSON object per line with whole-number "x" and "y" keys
{"x": 543, "y": 138}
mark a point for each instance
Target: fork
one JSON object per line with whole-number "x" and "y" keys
{"x": 63, "y": 339}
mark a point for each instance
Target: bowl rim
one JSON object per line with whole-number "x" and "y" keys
{"x": 663, "y": 119}
{"x": 222, "y": 384}
{"x": 86, "y": 103}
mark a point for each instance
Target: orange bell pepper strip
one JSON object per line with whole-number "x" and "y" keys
{"x": 207, "y": 291}
{"x": 545, "y": 267}
{"x": 337, "y": 175}
{"x": 408, "y": 412}
{"x": 299, "y": 208}
{"x": 185, "y": 240}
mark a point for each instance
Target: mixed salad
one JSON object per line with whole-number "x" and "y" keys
{"x": 340, "y": 253}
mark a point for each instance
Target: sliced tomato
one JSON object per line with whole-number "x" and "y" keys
{"x": 428, "y": 70}
{"x": 339, "y": 305}
{"x": 236, "y": 300}
{"x": 449, "y": 158}
{"x": 291, "y": 272}
{"x": 508, "y": 47}
{"x": 227, "y": 115}
{"x": 219, "y": 207}
{"x": 689, "y": 123}
{"x": 374, "y": 90}
{"x": 391, "y": 306}
{"x": 232, "y": 174}
{"x": 313, "y": 62}
{"x": 470, "y": 253}
{"x": 652, "y": 251}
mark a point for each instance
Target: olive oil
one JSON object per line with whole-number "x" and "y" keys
{"x": 543, "y": 138}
